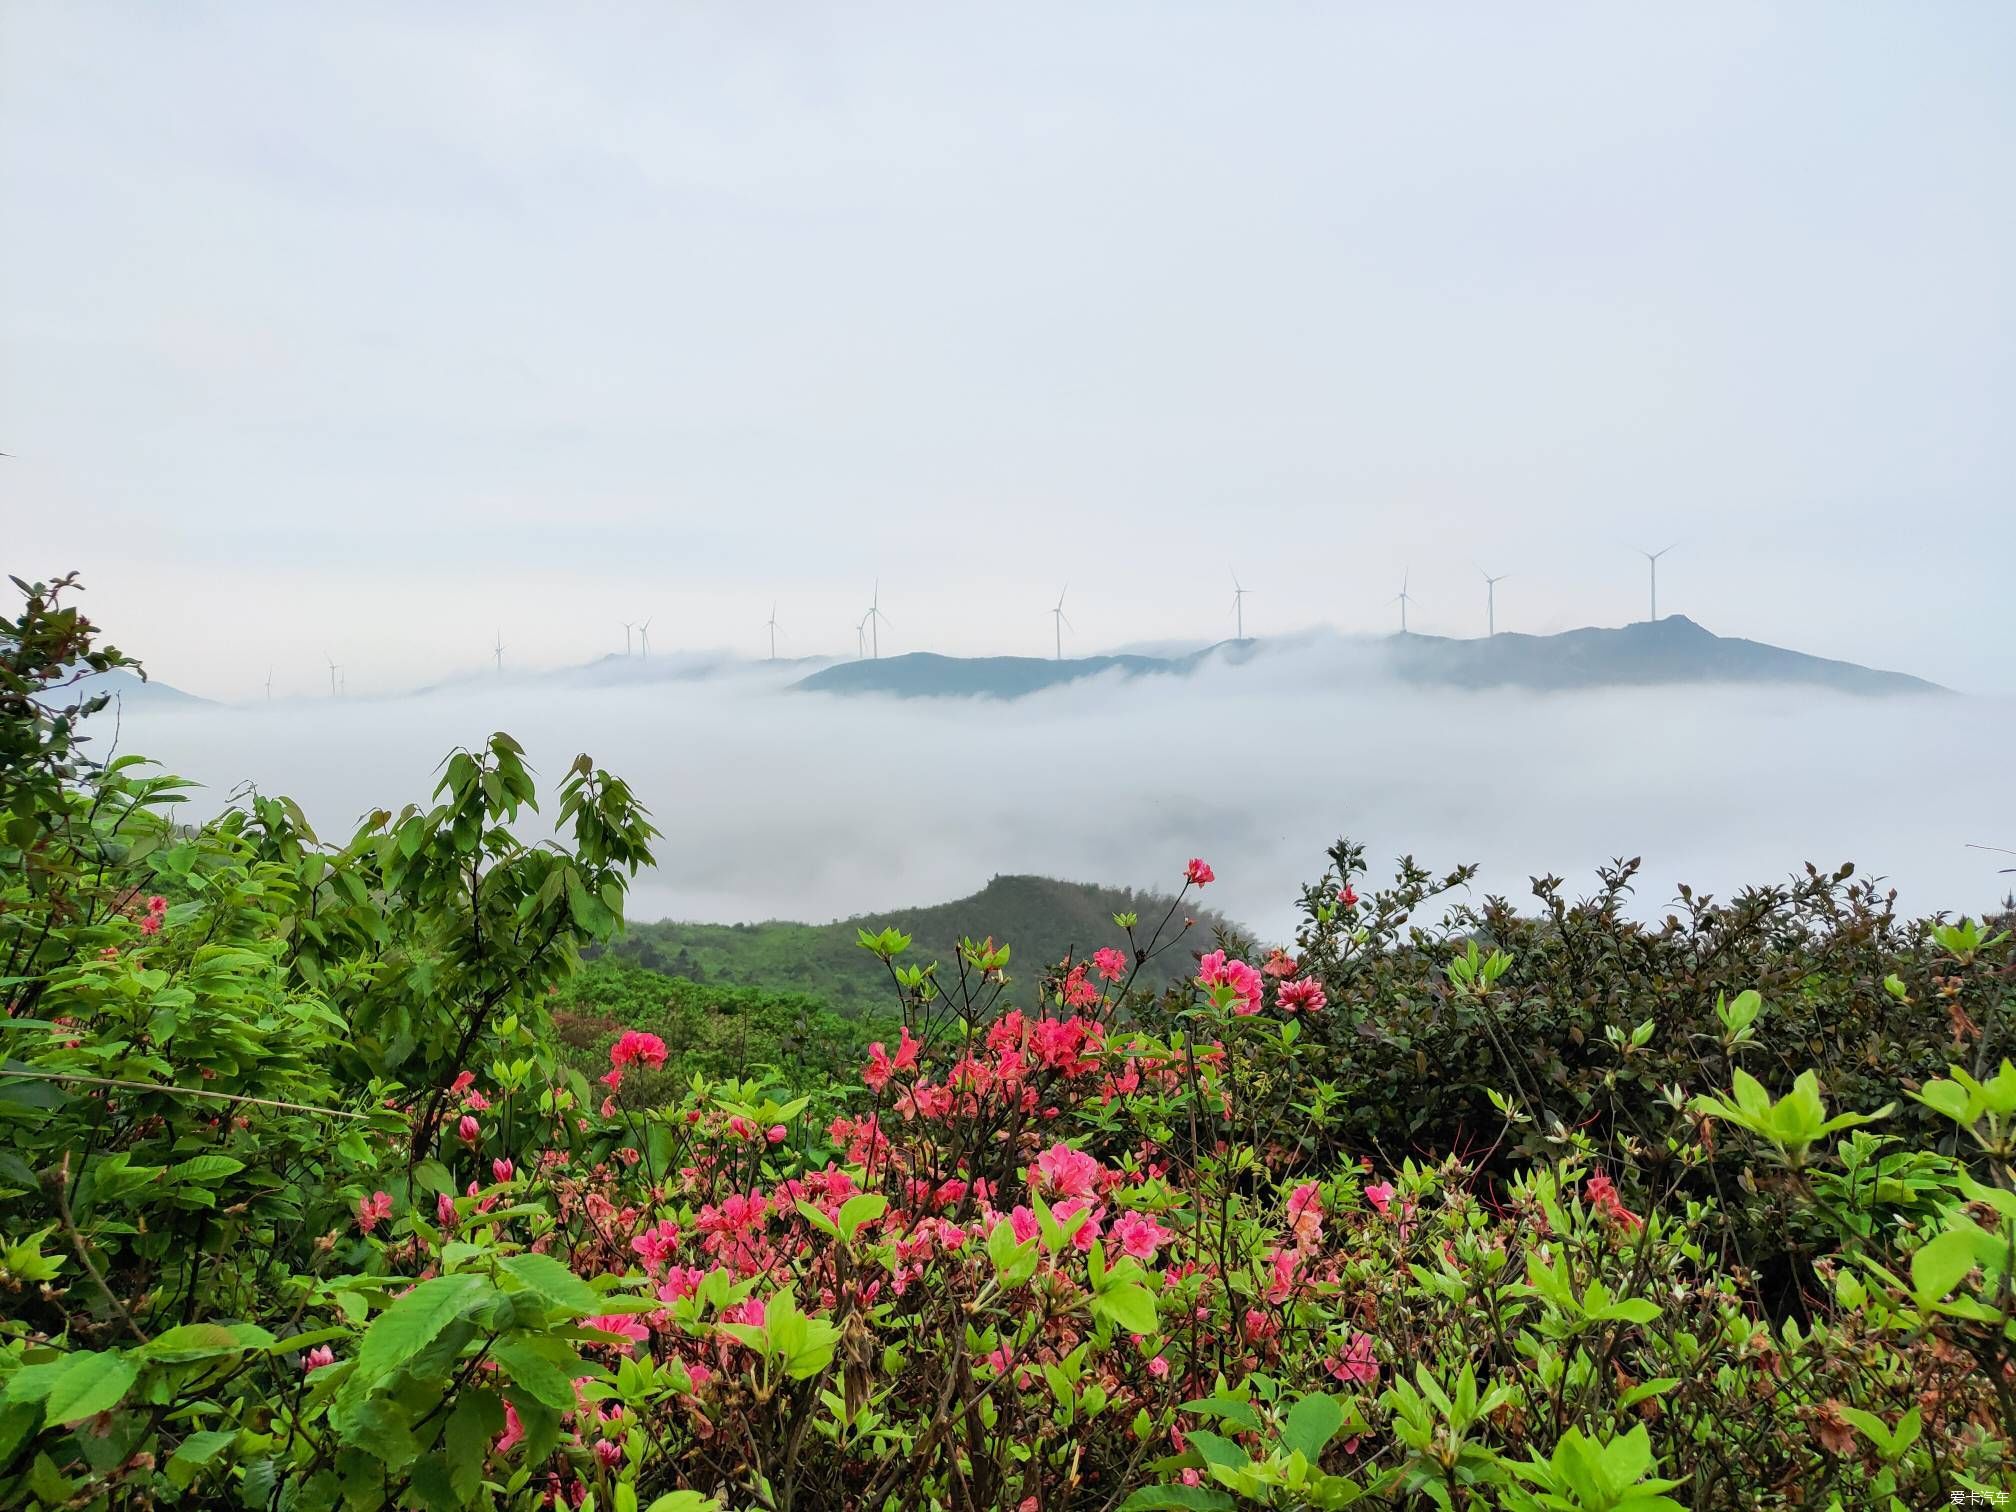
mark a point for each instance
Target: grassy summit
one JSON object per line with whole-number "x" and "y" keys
{"x": 1040, "y": 918}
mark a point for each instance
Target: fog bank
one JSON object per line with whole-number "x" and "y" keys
{"x": 779, "y": 804}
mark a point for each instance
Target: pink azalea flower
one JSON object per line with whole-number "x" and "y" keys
{"x": 1380, "y": 1195}
{"x": 1199, "y": 872}
{"x": 1306, "y": 992}
{"x": 1139, "y": 1235}
{"x": 469, "y": 1129}
{"x": 625, "y": 1324}
{"x": 1089, "y": 1230}
{"x": 513, "y": 1434}
{"x": 1158, "y": 1367}
{"x": 372, "y": 1211}
{"x": 1355, "y": 1362}
{"x": 316, "y": 1358}
{"x": 1067, "y": 1172}
{"x": 1109, "y": 963}
{"x": 501, "y": 1170}
{"x": 1216, "y": 971}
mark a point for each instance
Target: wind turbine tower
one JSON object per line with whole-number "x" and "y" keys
{"x": 861, "y": 638}
{"x": 333, "y": 670}
{"x": 644, "y": 640}
{"x": 771, "y": 623}
{"x": 1058, "y": 622}
{"x": 269, "y": 684}
{"x": 1491, "y": 600}
{"x": 875, "y": 620}
{"x": 628, "y": 626}
{"x": 1652, "y": 562}
{"x": 1239, "y": 604}
{"x": 500, "y": 653}
{"x": 1403, "y": 598}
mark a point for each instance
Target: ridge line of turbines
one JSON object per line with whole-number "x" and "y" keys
{"x": 868, "y": 629}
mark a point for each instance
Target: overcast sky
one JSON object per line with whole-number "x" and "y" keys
{"x": 372, "y": 331}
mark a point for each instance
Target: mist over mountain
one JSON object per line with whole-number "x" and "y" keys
{"x": 1648, "y": 653}
{"x": 780, "y": 805}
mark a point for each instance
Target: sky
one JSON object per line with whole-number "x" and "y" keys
{"x": 375, "y": 333}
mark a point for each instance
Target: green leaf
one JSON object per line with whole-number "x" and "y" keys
{"x": 1177, "y": 1499}
{"x": 477, "y": 1420}
{"x": 204, "y": 1341}
{"x": 554, "y": 1282}
{"x": 415, "y": 1321}
{"x": 1312, "y": 1422}
{"x": 525, "y": 1366}
{"x": 91, "y": 1384}
{"x": 201, "y": 1170}
{"x": 862, "y": 1207}
{"x": 193, "y": 1453}
{"x": 1940, "y": 1265}
{"x": 1130, "y": 1305}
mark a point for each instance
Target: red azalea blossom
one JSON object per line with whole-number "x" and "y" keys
{"x": 1305, "y": 993}
{"x": 1199, "y": 872}
{"x": 1601, "y": 1194}
{"x": 634, "y": 1045}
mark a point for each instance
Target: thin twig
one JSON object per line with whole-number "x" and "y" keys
{"x": 84, "y": 1254}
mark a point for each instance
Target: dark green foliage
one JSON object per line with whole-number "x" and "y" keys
{"x": 1042, "y": 919}
{"x": 711, "y": 1030}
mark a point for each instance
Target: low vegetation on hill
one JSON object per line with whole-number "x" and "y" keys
{"x": 332, "y": 1180}
{"x": 711, "y": 1031}
{"x": 1041, "y": 918}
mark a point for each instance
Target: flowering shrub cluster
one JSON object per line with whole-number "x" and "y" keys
{"x": 305, "y": 1210}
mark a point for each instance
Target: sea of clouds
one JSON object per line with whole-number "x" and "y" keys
{"x": 783, "y": 804}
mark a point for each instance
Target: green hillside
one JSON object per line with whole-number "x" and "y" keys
{"x": 1039, "y": 917}
{"x": 712, "y": 1030}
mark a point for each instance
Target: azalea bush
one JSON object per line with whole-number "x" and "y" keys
{"x": 309, "y": 1204}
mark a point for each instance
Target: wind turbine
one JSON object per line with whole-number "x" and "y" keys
{"x": 628, "y": 626}
{"x": 1491, "y": 600}
{"x": 1058, "y": 622}
{"x": 772, "y": 624}
{"x": 1403, "y": 598}
{"x": 644, "y": 641}
{"x": 269, "y": 684}
{"x": 1239, "y": 604}
{"x": 861, "y": 638}
{"x": 500, "y": 653}
{"x": 1652, "y": 561}
{"x": 333, "y": 670}
{"x": 875, "y": 619}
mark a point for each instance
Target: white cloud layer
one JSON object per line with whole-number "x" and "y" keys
{"x": 778, "y": 804}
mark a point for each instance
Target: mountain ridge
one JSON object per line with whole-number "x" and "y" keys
{"x": 1668, "y": 651}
